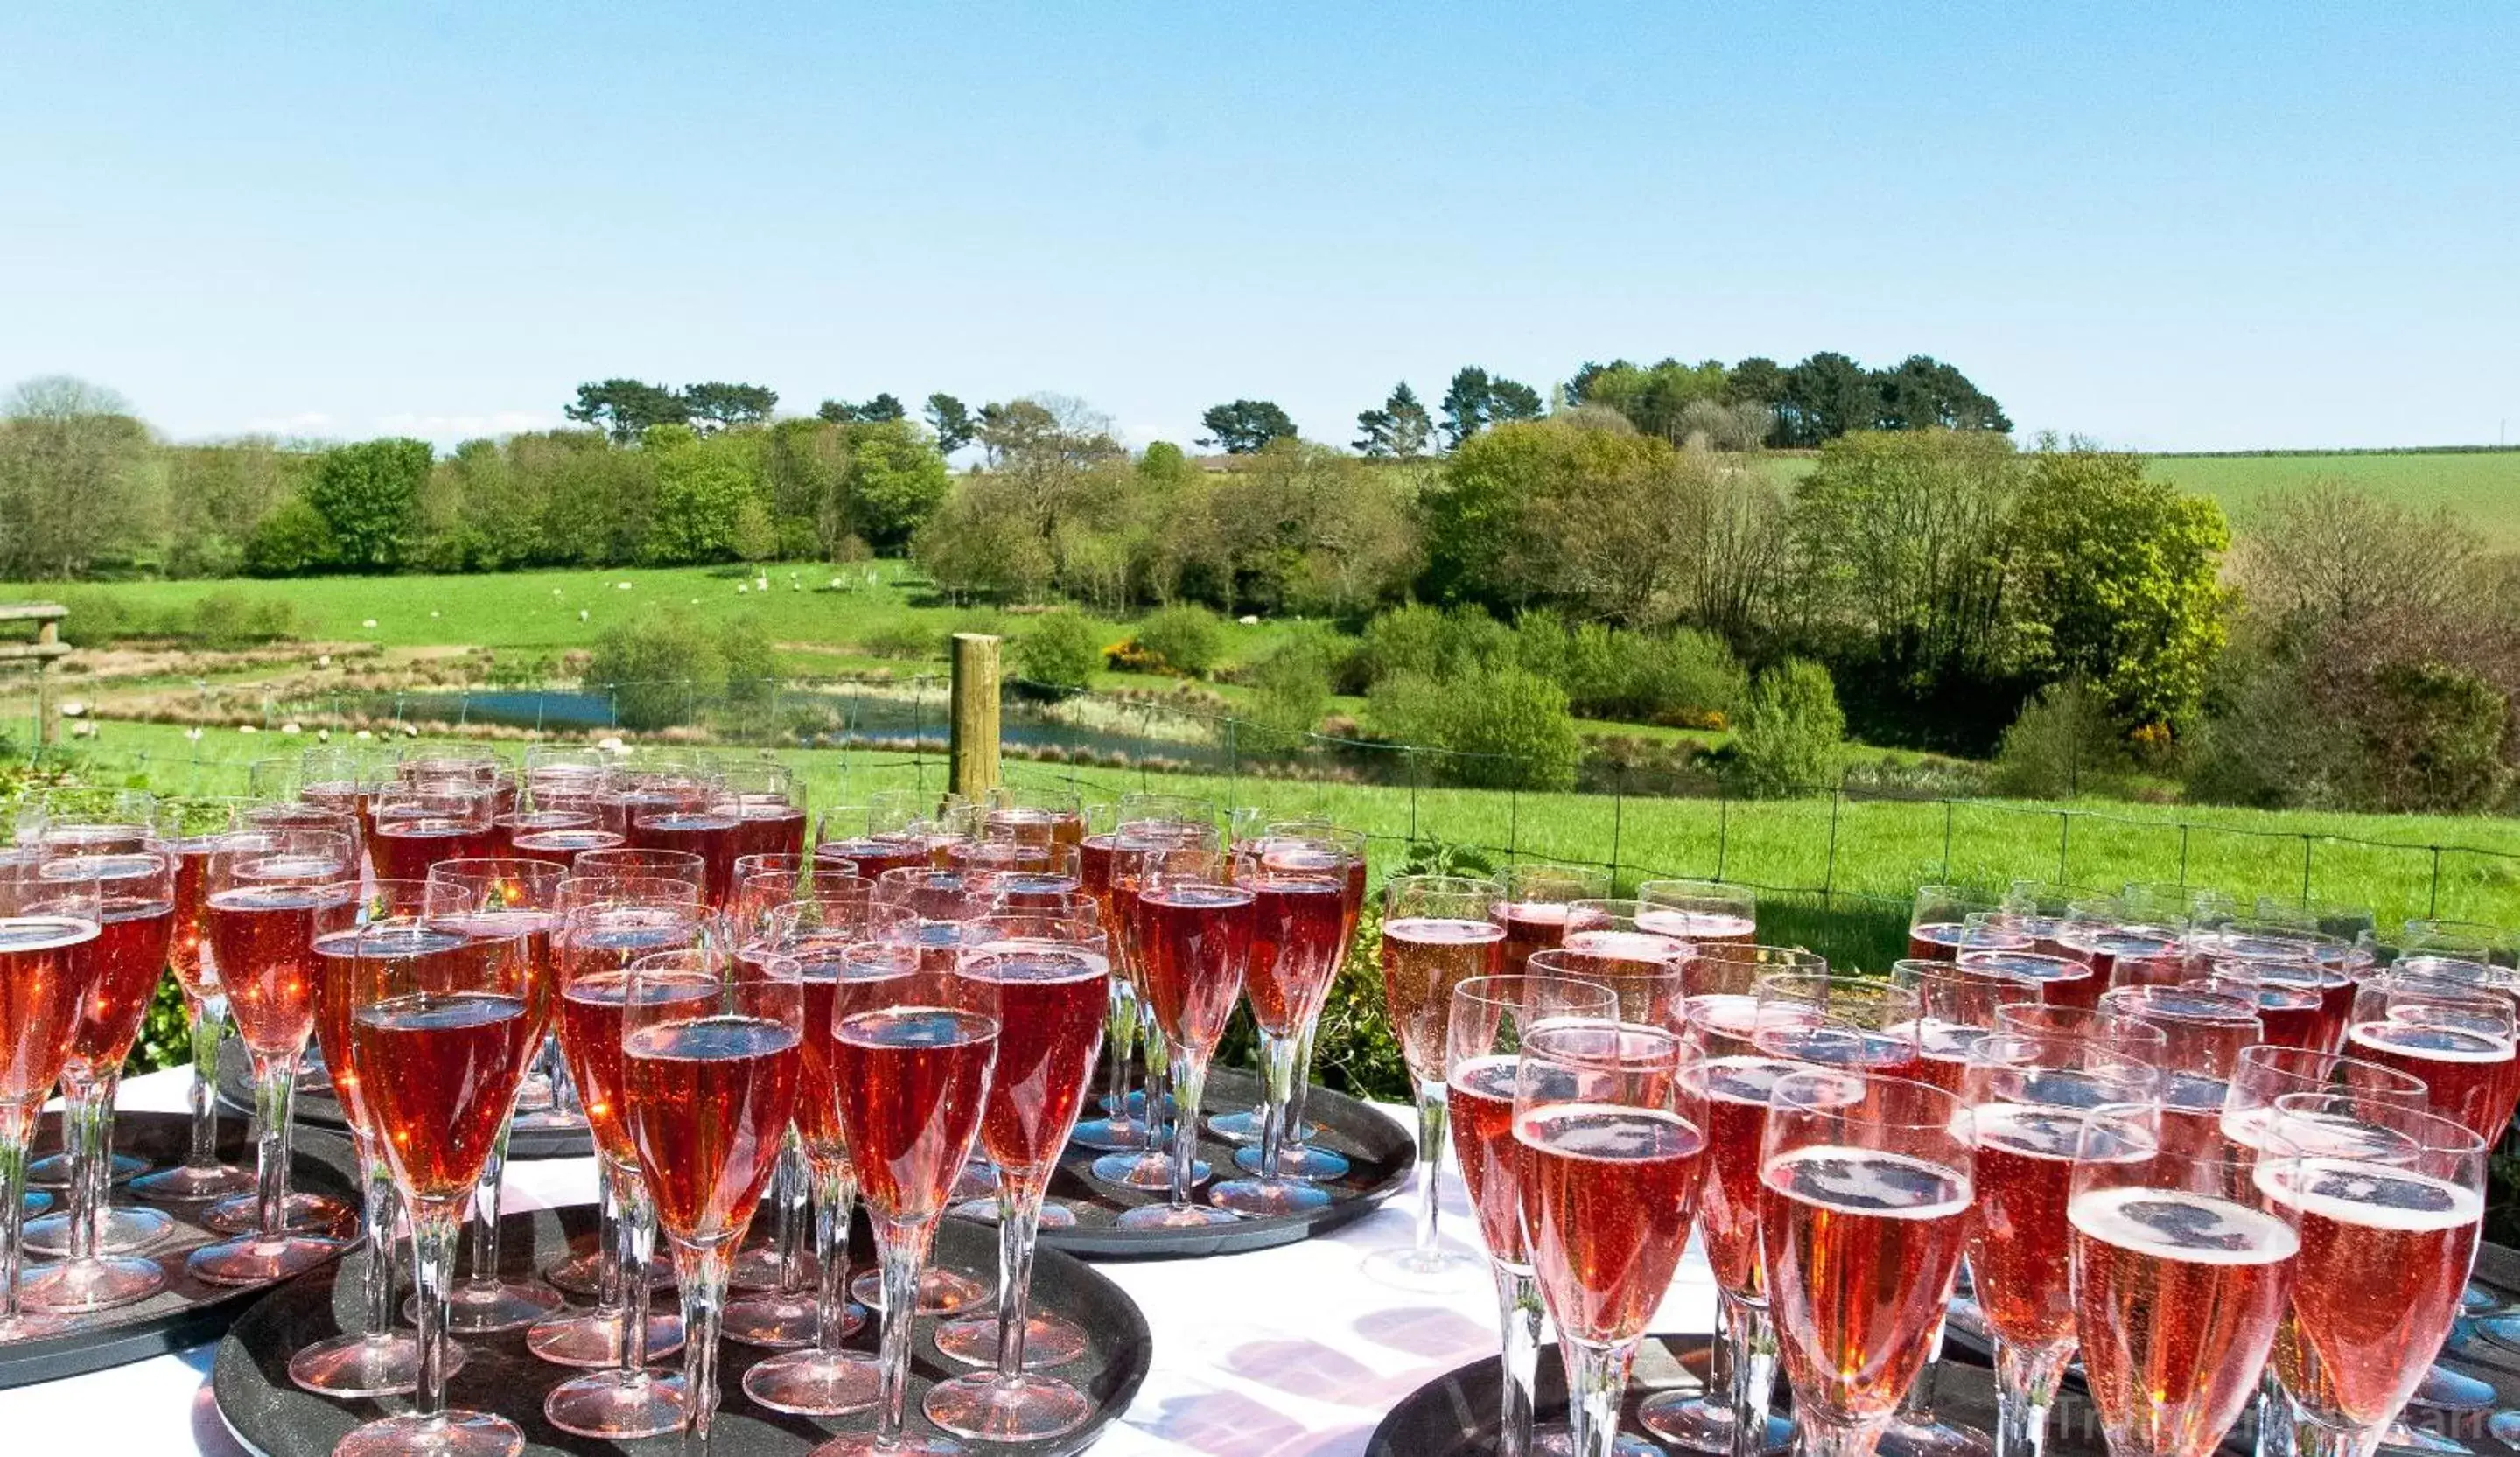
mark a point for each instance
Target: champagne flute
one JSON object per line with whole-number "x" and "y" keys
{"x": 709, "y": 1082}
{"x": 1299, "y": 887}
{"x": 45, "y": 928}
{"x": 438, "y": 1044}
{"x": 1301, "y": 1158}
{"x": 420, "y": 823}
{"x": 190, "y": 826}
{"x": 1490, "y": 1019}
{"x": 912, "y": 1063}
{"x": 635, "y": 860}
{"x": 1436, "y": 935}
{"x": 270, "y": 891}
{"x": 1194, "y": 942}
{"x": 1150, "y": 1167}
{"x": 1702, "y": 913}
{"x": 1116, "y": 1130}
{"x": 1045, "y": 979}
{"x": 1537, "y": 895}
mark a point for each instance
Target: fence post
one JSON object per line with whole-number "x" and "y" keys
{"x": 1722, "y": 828}
{"x": 2064, "y": 837}
{"x": 972, "y": 746}
{"x": 2183, "y": 854}
{"x": 2305, "y": 870}
{"x": 1618, "y": 824}
{"x": 1408, "y": 752}
{"x": 1828, "y": 875}
{"x": 2432, "y": 903}
{"x": 1947, "y": 837}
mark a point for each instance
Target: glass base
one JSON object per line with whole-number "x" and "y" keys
{"x": 35, "y": 1202}
{"x": 1175, "y": 1216}
{"x": 592, "y": 1340}
{"x": 1153, "y": 1172}
{"x": 992, "y": 1407}
{"x": 449, "y": 1433}
{"x": 2400, "y": 1435}
{"x": 2444, "y": 1390}
{"x": 186, "y": 1184}
{"x": 977, "y": 1181}
{"x": 1440, "y": 1273}
{"x": 1110, "y": 1135}
{"x": 1932, "y": 1438}
{"x": 1693, "y": 1424}
{"x": 1297, "y": 1161}
{"x": 299, "y": 1215}
{"x": 52, "y": 1170}
{"x": 72, "y": 1288}
{"x": 578, "y": 1275}
{"x": 250, "y": 1260}
{"x": 941, "y": 1291}
{"x": 779, "y": 1322}
{"x": 1049, "y": 1341}
{"x": 354, "y": 1366}
{"x": 125, "y": 1231}
{"x": 758, "y": 1267}
{"x": 1054, "y": 1214}
{"x": 815, "y": 1382}
{"x": 1238, "y": 1127}
{"x": 1553, "y": 1440}
{"x": 31, "y": 1325}
{"x": 1263, "y": 1198}
{"x": 551, "y": 1120}
{"x": 613, "y": 1405}
{"x": 489, "y": 1309}
{"x": 909, "y": 1445}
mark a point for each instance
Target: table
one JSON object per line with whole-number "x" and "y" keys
{"x": 1239, "y": 1369}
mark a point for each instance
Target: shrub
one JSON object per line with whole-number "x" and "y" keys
{"x": 228, "y": 619}
{"x": 1500, "y": 728}
{"x": 1688, "y": 678}
{"x": 2063, "y": 745}
{"x": 1186, "y": 640}
{"x": 1290, "y": 692}
{"x": 100, "y": 617}
{"x": 1421, "y": 640}
{"x": 1059, "y": 648}
{"x": 903, "y": 639}
{"x": 1789, "y": 734}
{"x": 658, "y": 668}
{"x": 2432, "y": 738}
{"x": 294, "y": 539}
{"x": 748, "y": 662}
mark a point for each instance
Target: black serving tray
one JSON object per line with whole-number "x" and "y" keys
{"x": 316, "y": 1107}
{"x": 271, "y": 1416}
{"x": 1380, "y": 1153}
{"x": 187, "y": 1312}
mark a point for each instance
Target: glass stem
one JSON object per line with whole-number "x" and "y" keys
{"x": 15, "y": 1126}
{"x": 1159, "y": 1072}
{"x": 2312, "y": 1438}
{"x": 608, "y": 1242}
{"x": 902, "y": 1250}
{"x": 836, "y": 1192}
{"x": 1120, "y": 1036}
{"x": 209, "y": 1023}
{"x": 485, "y": 1212}
{"x": 701, "y": 1270}
{"x": 1299, "y": 1132}
{"x": 2025, "y": 1388}
{"x": 1430, "y": 1165}
{"x": 1278, "y": 1075}
{"x": 1190, "y": 1082}
{"x": 636, "y": 1231}
{"x": 1816, "y": 1438}
{"x": 2274, "y": 1416}
{"x": 1518, "y": 1313}
{"x": 275, "y": 1094}
{"x": 376, "y": 1227}
{"x": 435, "y": 1231}
{"x": 1596, "y": 1379}
{"x": 1752, "y": 1337}
{"x": 1916, "y": 1409}
{"x": 1019, "y": 1225}
{"x": 87, "y": 1128}
{"x": 793, "y": 1187}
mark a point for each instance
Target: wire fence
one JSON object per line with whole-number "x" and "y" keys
{"x": 1855, "y": 846}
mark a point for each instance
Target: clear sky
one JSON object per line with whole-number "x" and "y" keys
{"x": 2227, "y": 225}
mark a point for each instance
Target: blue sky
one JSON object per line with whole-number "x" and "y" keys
{"x": 2224, "y": 226}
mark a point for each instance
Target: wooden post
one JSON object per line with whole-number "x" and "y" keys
{"x": 973, "y": 743}
{"x": 48, "y": 726}
{"x": 47, "y": 646}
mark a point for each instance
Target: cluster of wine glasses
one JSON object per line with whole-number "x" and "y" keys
{"x": 2183, "y": 1146}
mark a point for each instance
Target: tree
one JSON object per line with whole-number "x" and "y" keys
{"x": 952, "y": 420}
{"x": 1787, "y": 744}
{"x": 895, "y": 482}
{"x": 702, "y": 492}
{"x": 1061, "y": 649}
{"x": 1924, "y": 393}
{"x": 1653, "y": 400}
{"x": 77, "y": 477}
{"x": 369, "y": 494}
{"x": 877, "y": 411}
{"x": 1400, "y": 431}
{"x": 1825, "y": 396}
{"x": 1244, "y": 425}
{"x": 624, "y": 408}
{"x": 1755, "y": 381}
{"x": 715, "y": 405}
{"x": 2118, "y": 581}
{"x": 1476, "y": 399}
{"x": 291, "y": 541}
{"x": 1509, "y": 402}
{"x": 2328, "y": 555}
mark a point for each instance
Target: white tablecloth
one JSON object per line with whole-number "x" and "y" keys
{"x": 1285, "y": 1352}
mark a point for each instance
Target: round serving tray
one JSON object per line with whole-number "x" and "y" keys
{"x": 534, "y": 1136}
{"x": 271, "y": 1416}
{"x": 187, "y": 1312}
{"x": 1380, "y": 1153}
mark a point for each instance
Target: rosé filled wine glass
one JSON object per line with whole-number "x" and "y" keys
{"x": 709, "y": 1078}
{"x": 438, "y": 1044}
{"x": 2181, "y": 1270}
{"x": 420, "y": 823}
{"x": 1703, "y": 913}
{"x": 1436, "y": 935}
{"x": 1150, "y": 1166}
{"x": 45, "y": 930}
{"x": 1300, "y": 887}
{"x": 1533, "y": 910}
{"x": 1937, "y": 923}
{"x": 609, "y": 924}
{"x": 1045, "y": 980}
{"x": 2457, "y": 1038}
{"x": 1490, "y": 1019}
{"x": 913, "y": 1066}
{"x": 1114, "y": 1130}
{"x": 1612, "y": 1140}
{"x": 271, "y": 891}
{"x": 135, "y": 898}
{"x": 1956, "y": 1003}
{"x": 1298, "y": 1158}
{"x": 2029, "y": 1099}
{"x": 191, "y": 826}
{"x": 1194, "y": 934}
{"x": 1865, "y": 1183}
